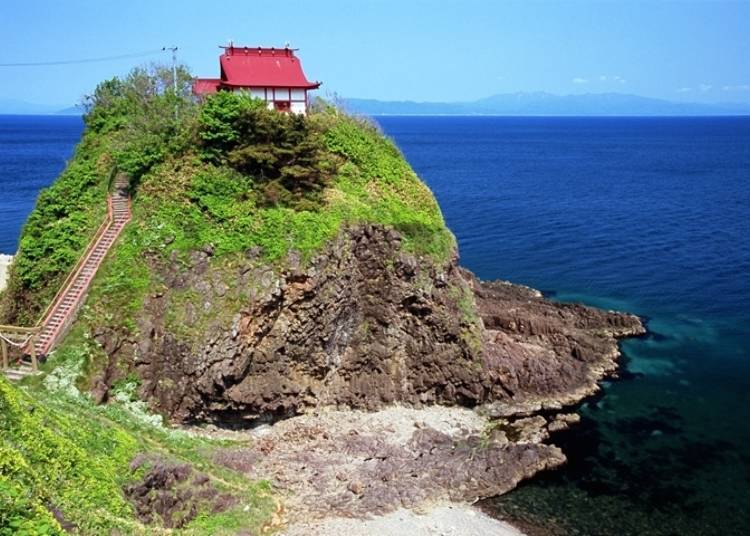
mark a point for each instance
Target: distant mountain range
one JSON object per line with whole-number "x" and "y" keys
{"x": 20, "y": 107}
{"x": 540, "y": 103}
{"x": 520, "y": 104}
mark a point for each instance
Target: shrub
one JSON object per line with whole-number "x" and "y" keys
{"x": 149, "y": 119}
{"x": 284, "y": 154}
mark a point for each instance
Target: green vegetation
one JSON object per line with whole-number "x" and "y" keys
{"x": 282, "y": 153}
{"x": 224, "y": 176}
{"x": 130, "y": 125}
{"x": 227, "y": 174}
{"x": 471, "y": 330}
{"x": 66, "y": 215}
{"x": 60, "y": 453}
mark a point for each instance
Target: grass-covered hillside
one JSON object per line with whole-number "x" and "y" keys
{"x": 226, "y": 176}
{"x": 69, "y": 466}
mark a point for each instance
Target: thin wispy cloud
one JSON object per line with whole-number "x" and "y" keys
{"x": 705, "y": 87}
{"x": 741, "y": 87}
{"x": 579, "y": 80}
{"x": 685, "y": 90}
{"x": 611, "y": 78}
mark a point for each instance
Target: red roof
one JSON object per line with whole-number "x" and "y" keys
{"x": 262, "y": 67}
{"x": 256, "y": 67}
{"x": 206, "y": 86}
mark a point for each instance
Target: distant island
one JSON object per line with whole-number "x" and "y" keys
{"x": 541, "y": 103}
{"x": 21, "y": 107}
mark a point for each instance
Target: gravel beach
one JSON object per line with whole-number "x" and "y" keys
{"x": 444, "y": 520}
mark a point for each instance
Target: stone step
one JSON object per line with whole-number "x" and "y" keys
{"x": 19, "y": 373}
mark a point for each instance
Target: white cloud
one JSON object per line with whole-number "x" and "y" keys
{"x": 685, "y": 90}
{"x": 705, "y": 87}
{"x": 741, "y": 87}
{"x": 580, "y": 80}
{"x": 611, "y": 78}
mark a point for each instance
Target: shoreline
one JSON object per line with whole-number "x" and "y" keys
{"x": 352, "y": 473}
{"x": 5, "y": 262}
{"x": 454, "y": 519}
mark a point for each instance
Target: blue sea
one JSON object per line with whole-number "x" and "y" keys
{"x": 33, "y": 151}
{"x": 647, "y": 215}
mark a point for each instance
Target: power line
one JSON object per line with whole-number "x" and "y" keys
{"x": 86, "y": 60}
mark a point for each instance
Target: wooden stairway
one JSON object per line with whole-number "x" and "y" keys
{"x": 71, "y": 296}
{"x": 64, "y": 306}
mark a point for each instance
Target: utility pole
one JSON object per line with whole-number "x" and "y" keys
{"x": 174, "y": 78}
{"x": 174, "y": 66}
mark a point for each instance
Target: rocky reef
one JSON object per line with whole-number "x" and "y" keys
{"x": 363, "y": 326}
{"x": 462, "y": 381}
{"x": 356, "y": 464}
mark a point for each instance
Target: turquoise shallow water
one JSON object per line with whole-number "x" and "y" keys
{"x": 644, "y": 215}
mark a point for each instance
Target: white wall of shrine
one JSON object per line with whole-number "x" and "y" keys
{"x": 296, "y": 97}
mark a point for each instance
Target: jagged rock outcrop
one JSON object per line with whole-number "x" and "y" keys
{"x": 355, "y": 464}
{"x": 363, "y": 325}
{"x": 546, "y": 354}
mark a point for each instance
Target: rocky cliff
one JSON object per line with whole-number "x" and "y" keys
{"x": 362, "y": 326}
{"x": 278, "y": 267}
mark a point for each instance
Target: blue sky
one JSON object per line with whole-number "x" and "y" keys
{"x": 420, "y": 50}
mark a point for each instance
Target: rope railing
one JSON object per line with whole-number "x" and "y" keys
{"x": 16, "y": 344}
{"x": 8, "y": 333}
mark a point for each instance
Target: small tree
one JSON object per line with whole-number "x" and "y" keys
{"x": 148, "y": 117}
{"x": 283, "y": 153}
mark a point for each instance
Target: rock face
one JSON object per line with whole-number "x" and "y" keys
{"x": 546, "y": 355}
{"x": 364, "y": 325}
{"x": 173, "y": 494}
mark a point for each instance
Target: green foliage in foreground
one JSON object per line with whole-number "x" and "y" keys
{"x": 59, "y": 451}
